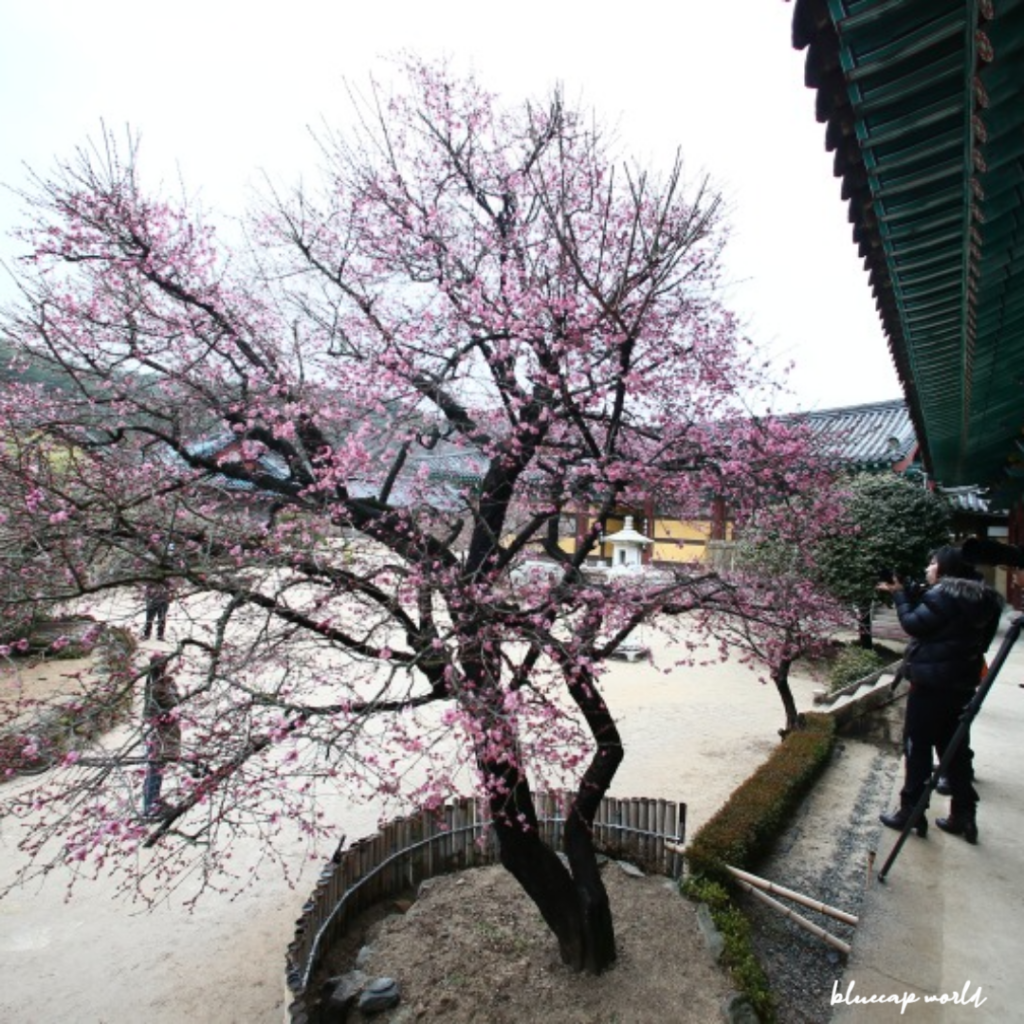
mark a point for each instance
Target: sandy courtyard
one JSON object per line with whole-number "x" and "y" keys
{"x": 691, "y": 735}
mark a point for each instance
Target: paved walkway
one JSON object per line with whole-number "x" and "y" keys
{"x": 947, "y": 924}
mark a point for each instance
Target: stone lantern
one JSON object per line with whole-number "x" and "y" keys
{"x": 627, "y": 547}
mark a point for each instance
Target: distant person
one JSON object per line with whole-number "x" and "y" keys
{"x": 951, "y": 624}
{"x": 162, "y": 731}
{"x": 158, "y": 600}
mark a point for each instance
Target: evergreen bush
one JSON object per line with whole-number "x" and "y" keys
{"x": 853, "y": 663}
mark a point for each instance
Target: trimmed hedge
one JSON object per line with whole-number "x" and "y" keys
{"x": 744, "y": 829}
{"x": 741, "y": 833}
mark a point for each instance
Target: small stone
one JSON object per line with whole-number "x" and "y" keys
{"x": 379, "y": 995}
{"x": 713, "y": 938}
{"x": 630, "y": 869}
{"x": 339, "y": 993}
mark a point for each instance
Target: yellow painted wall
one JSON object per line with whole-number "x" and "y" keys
{"x": 676, "y": 541}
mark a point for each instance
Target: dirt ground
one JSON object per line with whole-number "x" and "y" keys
{"x": 474, "y": 949}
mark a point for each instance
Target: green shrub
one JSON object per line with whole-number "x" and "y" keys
{"x": 738, "y": 953}
{"x": 853, "y": 663}
{"x": 741, "y": 833}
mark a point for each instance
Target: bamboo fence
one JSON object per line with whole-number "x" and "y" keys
{"x": 456, "y": 836}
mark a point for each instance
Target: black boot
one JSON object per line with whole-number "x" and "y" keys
{"x": 959, "y": 827}
{"x": 962, "y": 819}
{"x": 899, "y": 818}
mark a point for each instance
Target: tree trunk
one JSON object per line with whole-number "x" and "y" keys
{"x": 575, "y": 906}
{"x": 780, "y": 676}
{"x": 864, "y": 637}
{"x": 597, "y": 928}
{"x": 573, "y": 901}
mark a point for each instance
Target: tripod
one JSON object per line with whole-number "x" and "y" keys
{"x": 967, "y": 716}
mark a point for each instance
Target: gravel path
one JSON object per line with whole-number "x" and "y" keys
{"x": 824, "y": 855}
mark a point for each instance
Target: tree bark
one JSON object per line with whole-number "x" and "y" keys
{"x": 573, "y": 901}
{"x": 597, "y": 927}
{"x": 573, "y": 904}
{"x": 780, "y": 676}
{"x": 864, "y": 637}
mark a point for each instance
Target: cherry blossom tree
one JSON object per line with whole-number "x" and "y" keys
{"x": 349, "y": 446}
{"x": 779, "y": 609}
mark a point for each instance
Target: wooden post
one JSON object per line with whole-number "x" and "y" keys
{"x": 807, "y": 901}
{"x": 814, "y": 929}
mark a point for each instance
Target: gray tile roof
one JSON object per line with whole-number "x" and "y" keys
{"x": 458, "y": 463}
{"x": 872, "y": 436}
{"x": 974, "y": 500}
{"x": 219, "y": 449}
{"x": 880, "y": 435}
{"x": 220, "y": 445}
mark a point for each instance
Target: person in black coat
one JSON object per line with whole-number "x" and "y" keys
{"x": 951, "y": 624}
{"x": 158, "y": 600}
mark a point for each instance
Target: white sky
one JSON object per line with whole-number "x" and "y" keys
{"x": 223, "y": 90}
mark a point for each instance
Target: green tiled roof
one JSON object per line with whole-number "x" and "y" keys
{"x": 924, "y": 105}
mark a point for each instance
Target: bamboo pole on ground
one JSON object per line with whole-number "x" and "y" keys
{"x": 809, "y": 926}
{"x": 807, "y": 901}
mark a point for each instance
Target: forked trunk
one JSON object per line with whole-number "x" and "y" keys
{"x": 574, "y": 905}
{"x": 572, "y": 900}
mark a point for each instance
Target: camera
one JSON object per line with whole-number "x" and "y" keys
{"x": 886, "y": 574}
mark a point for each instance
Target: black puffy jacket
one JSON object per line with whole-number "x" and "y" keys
{"x": 951, "y": 626}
